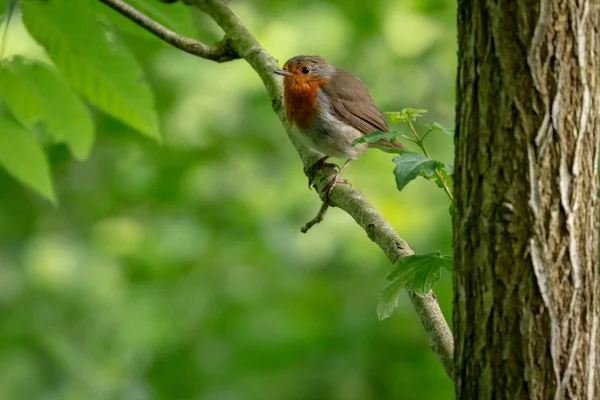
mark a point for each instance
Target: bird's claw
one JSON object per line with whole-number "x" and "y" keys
{"x": 320, "y": 163}
{"x": 332, "y": 184}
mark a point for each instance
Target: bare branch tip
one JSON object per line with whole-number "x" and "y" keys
{"x": 318, "y": 218}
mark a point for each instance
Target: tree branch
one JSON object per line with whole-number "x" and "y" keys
{"x": 221, "y": 53}
{"x": 381, "y": 232}
{"x": 342, "y": 196}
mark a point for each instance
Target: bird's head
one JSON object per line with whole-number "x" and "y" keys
{"x": 303, "y": 76}
{"x": 306, "y": 69}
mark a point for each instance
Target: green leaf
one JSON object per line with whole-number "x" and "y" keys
{"x": 93, "y": 61}
{"x": 23, "y": 157}
{"x": 406, "y": 115}
{"x": 424, "y": 280}
{"x": 20, "y": 95}
{"x": 410, "y": 165}
{"x": 67, "y": 118}
{"x": 373, "y": 137}
{"x": 438, "y": 127}
{"x": 420, "y": 272}
{"x": 388, "y": 299}
{"x": 419, "y": 261}
{"x": 37, "y": 90}
{"x": 5, "y": 7}
{"x": 444, "y": 170}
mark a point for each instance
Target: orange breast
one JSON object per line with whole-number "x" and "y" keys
{"x": 300, "y": 97}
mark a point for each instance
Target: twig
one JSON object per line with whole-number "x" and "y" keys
{"x": 419, "y": 142}
{"x": 320, "y": 216}
{"x": 342, "y": 196}
{"x": 221, "y": 53}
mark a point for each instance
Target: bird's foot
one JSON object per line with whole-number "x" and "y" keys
{"x": 325, "y": 205}
{"x": 321, "y": 163}
{"x": 329, "y": 188}
{"x": 326, "y": 193}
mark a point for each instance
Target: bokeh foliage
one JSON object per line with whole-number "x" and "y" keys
{"x": 177, "y": 270}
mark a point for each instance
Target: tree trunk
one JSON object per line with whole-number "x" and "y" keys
{"x": 526, "y": 213}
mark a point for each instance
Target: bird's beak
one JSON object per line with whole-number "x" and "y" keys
{"x": 283, "y": 72}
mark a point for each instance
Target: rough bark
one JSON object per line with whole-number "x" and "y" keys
{"x": 526, "y": 213}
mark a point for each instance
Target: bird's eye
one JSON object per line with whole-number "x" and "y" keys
{"x": 305, "y": 70}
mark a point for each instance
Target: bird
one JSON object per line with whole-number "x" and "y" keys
{"x": 331, "y": 108}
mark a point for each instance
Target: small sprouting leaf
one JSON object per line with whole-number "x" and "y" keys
{"x": 451, "y": 208}
{"x": 438, "y": 127}
{"x": 446, "y": 172}
{"x": 94, "y": 61}
{"x": 406, "y": 115}
{"x": 373, "y": 137}
{"x": 420, "y": 272}
{"x": 22, "y": 157}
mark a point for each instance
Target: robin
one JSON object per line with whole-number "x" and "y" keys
{"x": 331, "y": 108}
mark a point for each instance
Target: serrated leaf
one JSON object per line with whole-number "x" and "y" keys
{"x": 388, "y": 299}
{"x": 446, "y": 172}
{"x": 93, "y": 61}
{"x": 20, "y": 96}
{"x": 65, "y": 116}
{"x": 373, "y": 137}
{"x": 438, "y": 127}
{"x": 420, "y": 272}
{"x": 424, "y": 280}
{"x": 23, "y": 158}
{"x": 410, "y": 165}
{"x": 418, "y": 261}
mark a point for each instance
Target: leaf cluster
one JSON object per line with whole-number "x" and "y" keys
{"x": 419, "y": 272}
{"x": 89, "y": 69}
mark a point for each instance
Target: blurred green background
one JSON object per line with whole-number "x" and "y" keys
{"x": 178, "y": 270}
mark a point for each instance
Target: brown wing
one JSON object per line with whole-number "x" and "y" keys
{"x": 353, "y": 104}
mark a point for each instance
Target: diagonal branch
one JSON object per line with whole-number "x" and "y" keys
{"x": 220, "y": 53}
{"x": 394, "y": 247}
{"x": 352, "y": 201}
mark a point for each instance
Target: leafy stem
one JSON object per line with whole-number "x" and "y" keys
{"x": 420, "y": 141}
